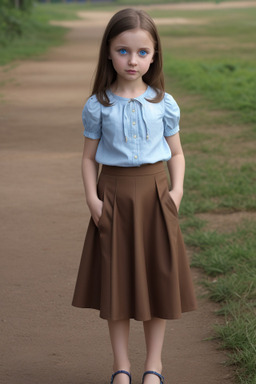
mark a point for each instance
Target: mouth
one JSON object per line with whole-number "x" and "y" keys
{"x": 131, "y": 72}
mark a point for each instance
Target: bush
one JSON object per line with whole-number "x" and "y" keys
{"x": 12, "y": 18}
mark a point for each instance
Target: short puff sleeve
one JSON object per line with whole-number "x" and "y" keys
{"x": 171, "y": 116}
{"x": 91, "y": 117}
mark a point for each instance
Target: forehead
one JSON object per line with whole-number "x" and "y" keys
{"x": 134, "y": 37}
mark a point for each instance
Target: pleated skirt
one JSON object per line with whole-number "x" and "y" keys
{"x": 134, "y": 264}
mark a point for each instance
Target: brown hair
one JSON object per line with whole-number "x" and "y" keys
{"x": 122, "y": 21}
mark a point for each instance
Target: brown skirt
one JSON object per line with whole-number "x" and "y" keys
{"x": 134, "y": 265}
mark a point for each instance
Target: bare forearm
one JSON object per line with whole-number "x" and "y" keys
{"x": 176, "y": 167}
{"x": 90, "y": 174}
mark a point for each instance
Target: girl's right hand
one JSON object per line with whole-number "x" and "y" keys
{"x": 96, "y": 207}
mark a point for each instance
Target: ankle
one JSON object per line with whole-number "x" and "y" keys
{"x": 122, "y": 366}
{"x": 154, "y": 366}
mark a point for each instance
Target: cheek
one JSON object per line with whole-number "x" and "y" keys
{"x": 118, "y": 61}
{"x": 148, "y": 63}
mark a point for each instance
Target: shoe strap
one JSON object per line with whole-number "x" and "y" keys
{"x": 117, "y": 373}
{"x": 153, "y": 373}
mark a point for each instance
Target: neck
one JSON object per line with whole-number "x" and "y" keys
{"x": 128, "y": 89}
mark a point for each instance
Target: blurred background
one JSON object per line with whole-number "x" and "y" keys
{"x": 48, "y": 52}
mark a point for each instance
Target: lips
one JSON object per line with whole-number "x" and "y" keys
{"x": 131, "y": 72}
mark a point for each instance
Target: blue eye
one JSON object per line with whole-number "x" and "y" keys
{"x": 122, "y": 51}
{"x": 142, "y": 52}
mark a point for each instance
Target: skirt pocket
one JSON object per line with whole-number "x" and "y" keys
{"x": 106, "y": 193}
{"x": 166, "y": 200}
{"x": 101, "y": 196}
{"x": 171, "y": 204}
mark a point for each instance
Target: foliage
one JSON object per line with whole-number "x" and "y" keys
{"x": 36, "y": 34}
{"x": 10, "y": 24}
{"x": 23, "y": 5}
{"x": 12, "y": 19}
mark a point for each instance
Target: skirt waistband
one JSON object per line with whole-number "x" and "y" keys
{"x": 145, "y": 169}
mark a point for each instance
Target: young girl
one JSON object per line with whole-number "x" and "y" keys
{"x": 133, "y": 263}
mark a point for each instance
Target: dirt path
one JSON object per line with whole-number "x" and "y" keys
{"x": 43, "y": 222}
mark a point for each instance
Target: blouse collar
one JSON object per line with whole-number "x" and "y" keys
{"x": 141, "y": 99}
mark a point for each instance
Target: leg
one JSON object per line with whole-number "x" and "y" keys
{"x": 154, "y": 330}
{"x": 119, "y": 337}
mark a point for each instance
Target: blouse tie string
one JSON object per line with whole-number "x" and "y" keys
{"x": 126, "y": 122}
{"x": 145, "y": 121}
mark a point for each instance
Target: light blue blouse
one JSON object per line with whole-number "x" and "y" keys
{"x": 132, "y": 131}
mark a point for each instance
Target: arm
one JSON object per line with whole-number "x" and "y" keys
{"x": 90, "y": 174}
{"x": 176, "y": 167}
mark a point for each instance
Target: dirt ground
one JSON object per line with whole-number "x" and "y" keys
{"x": 43, "y": 221}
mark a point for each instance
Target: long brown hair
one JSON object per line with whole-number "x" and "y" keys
{"x": 122, "y": 21}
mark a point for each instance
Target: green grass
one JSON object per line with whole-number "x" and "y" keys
{"x": 240, "y": 339}
{"x": 224, "y": 253}
{"x": 221, "y": 63}
{"x": 216, "y": 186}
{"x": 37, "y": 35}
{"x": 228, "y": 84}
{"x": 35, "y": 41}
{"x": 229, "y": 261}
{"x": 218, "y": 128}
{"x": 210, "y": 69}
{"x": 156, "y": 2}
{"x": 145, "y": 2}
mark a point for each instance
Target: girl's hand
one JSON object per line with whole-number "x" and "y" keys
{"x": 96, "y": 207}
{"x": 176, "y": 197}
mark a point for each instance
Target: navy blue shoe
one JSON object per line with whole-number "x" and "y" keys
{"x": 117, "y": 373}
{"x": 153, "y": 373}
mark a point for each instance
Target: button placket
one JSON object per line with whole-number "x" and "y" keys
{"x": 133, "y": 115}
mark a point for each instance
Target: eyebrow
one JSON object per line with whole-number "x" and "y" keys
{"x": 127, "y": 46}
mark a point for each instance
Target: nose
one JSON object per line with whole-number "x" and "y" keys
{"x": 132, "y": 60}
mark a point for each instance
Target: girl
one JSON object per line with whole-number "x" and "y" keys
{"x": 133, "y": 263}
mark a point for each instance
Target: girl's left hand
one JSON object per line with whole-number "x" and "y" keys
{"x": 176, "y": 197}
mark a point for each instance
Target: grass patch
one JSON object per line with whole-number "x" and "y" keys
{"x": 239, "y": 336}
{"x": 218, "y": 128}
{"x": 210, "y": 70}
{"x": 216, "y": 186}
{"x": 228, "y": 84}
{"x": 37, "y": 34}
{"x": 220, "y": 64}
{"x": 229, "y": 260}
{"x": 36, "y": 39}
{"x": 156, "y": 2}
